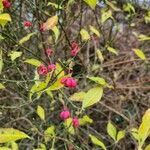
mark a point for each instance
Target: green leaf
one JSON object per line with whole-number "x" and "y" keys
{"x": 5, "y": 148}
{"x": 106, "y": 15}
{"x": 56, "y": 32}
{"x": 94, "y": 30}
{"x": 120, "y": 135}
{"x": 144, "y": 128}
{"x": 49, "y": 133}
{"x": 1, "y": 6}
{"x": 78, "y": 97}
{"x": 128, "y": 8}
{"x": 93, "y": 96}
{"x": 59, "y": 71}
{"x": 33, "y": 61}
{"x": 98, "y": 80}
{"x": 54, "y": 5}
{"x": 85, "y": 120}
{"x": 139, "y": 53}
{"x": 41, "y": 112}
{"x": 111, "y": 130}
{"x": 100, "y": 55}
{"x": 142, "y": 37}
{"x": 112, "y": 50}
{"x": 1, "y": 61}
{"x": 134, "y": 133}
{"x": 10, "y": 134}
{"x": 69, "y": 126}
{"x": 4, "y": 18}
{"x": 97, "y": 142}
{"x": 91, "y": 3}
{"x": 84, "y": 35}
{"x": 14, "y": 54}
{"x": 14, "y": 146}
{"x": 147, "y": 147}
{"x": 2, "y": 86}
{"x": 112, "y": 5}
{"x": 26, "y": 38}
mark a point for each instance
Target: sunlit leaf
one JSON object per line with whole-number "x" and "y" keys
{"x": 85, "y": 120}
{"x": 139, "y": 53}
{"x": 26, "y": 38}
{"x": 84, "y": 35}
{"x": 100, "y": 55}
{"x": 41, "y": 112}
{"x": 1, "y": 6}
{"x": 134, "y": 133}
{"x": 54, "y": 5}
{"x": 10, "y": 134}
{"x": 59, "y": 71}
{"x": 142, "y": 37}
{"x": 111, "y": 130}
{"x": 4, "y": 18}
{"x": 14, "y": 54}
{"x": 128, "y": 7}
{"x": 92, "y": 96}
{"x": 50, "y": 23}
{"x": 147, "y": 147}
{"x": 112, "y": 50}
{"x": 94, "y": 30}
{"x": 78, "y": 97}
{"x": 14, "y": 146}
{"x": 144, "y": 128}
{"x": 120, "y": 135}
{"x": 33, "y": 62}
{"x": 97, "y": 142}
{"x": 69, "y": 126}
{"x": 49, "y": 133}
{"x": 2, "y": 86}
{"x": 91, "y": 3}
{"x": 5, "y": 148}
{"x": 56, "y": 32}
{"x": 112, "y": 5}
{"x": 1, "y": 61}
{"x": 106, "y": 15}
{"x": 98, "y": 80}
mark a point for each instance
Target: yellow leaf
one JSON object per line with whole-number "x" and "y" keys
{"x": 69, "y": 126}
{"x": 4, "y": 18}
{"x": 59, "y": 71}
{"x": 120, "y": 135}
{"x": 97, "y": 142}
{"x": 1, "y": 61}
{"x": 106, "y": 15}
{"x": 33, "y": 61}
{"x": 142, "y": 37}
{"x": 111, "y": 49}
{"x": 56, "y": 32}
{"x": 54, "y": 5}
{"x": 144, "y": 128}
{"x": 112, "y": 5}
{"x": 95, "y": 31}
{"x": 147, "y": 147}
{"x": 41, "y": 113}
{"x": 85, "y": 120}
{"x": 26, "y": 38}
{"x": 5, "y": 148}
{"x": 2, "y": 86}
{"x": 49, "y": 133}
{"x": 84, "y": 35}
{"x": 14, "y": 54}
{"x": 139, "y": 53}
{"x": 10, "y": 134}
{"x": 92, "y": 96}
{"x": 100, "y": 55}
{"x": 98, "y": 80}
{"x": 91, "y": 3}
{"x": 111, "y": 130}
{"x": 50, "y": 23}
{"x": 78, "y": 97}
